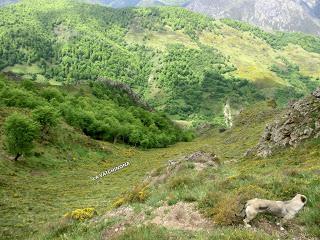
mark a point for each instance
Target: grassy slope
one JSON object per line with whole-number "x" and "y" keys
{"x": 252, "y": 56}
{"x": 37, "y": 191}
{"x": 57, "y": 175}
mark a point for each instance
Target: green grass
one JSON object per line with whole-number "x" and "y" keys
{"x": 38, "y": 191}
{"x": 24, "y": 69}
{"x": 60, "y": 176}
{"x": 153, "y": 232}
{"x": 159, "y": 39}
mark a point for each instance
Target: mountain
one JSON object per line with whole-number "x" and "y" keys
{"x": 137, "y": 3}
{"x": 185, "y": 64}
{"x": 286, "y": 15}
{"x": 5, "y": 2}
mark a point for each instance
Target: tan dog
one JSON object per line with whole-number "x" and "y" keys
{"x": 284, "y": 209}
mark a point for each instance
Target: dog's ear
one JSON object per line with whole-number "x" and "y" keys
{"x": 303, "y": 199}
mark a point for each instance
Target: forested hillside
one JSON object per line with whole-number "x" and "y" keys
{"x": 183, "y": 63}
{"x": 97, "y": 109}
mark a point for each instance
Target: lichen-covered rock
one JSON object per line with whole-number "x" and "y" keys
{"x": 301, "y": 121}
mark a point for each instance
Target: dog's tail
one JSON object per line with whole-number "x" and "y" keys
{"x": 242, "y": 212}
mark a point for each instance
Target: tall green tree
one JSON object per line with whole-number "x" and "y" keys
{"x": 47, "y": 117}
{"x": 20, "y": 132}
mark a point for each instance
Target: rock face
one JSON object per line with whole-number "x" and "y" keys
{"x": 126, "y": 88}
{"x": 300, "y": 122}
{"x": 285, "y": 15}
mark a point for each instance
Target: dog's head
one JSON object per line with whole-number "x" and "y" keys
{"x": 302, "y": 198}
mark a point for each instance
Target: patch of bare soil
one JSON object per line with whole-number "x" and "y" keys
{"x": 127, "y": 218}
{"x": 114, "y": 231}
{"x": 182, "y": 216}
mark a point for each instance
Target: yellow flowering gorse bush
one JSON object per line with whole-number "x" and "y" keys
{"x": 81, "y": 214}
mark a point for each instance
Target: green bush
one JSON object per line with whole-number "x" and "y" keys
{"x": 18, "y": 97}
{"x": 181, "y": 181}
{"x": 28, "y": 85}
{"x": 47, "y": 117}
{"x": 20, "y": 132}
{"x": 51, "y": 93}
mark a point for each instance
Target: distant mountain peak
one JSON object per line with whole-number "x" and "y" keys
{"x": 284, "y": 15}
{"x": 5, "y": 2}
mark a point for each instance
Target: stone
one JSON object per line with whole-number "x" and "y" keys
{"x": 316, "y": 93}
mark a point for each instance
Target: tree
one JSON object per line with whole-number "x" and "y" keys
{"x": 47, "y": 117}
{"x": 20, "y": 132}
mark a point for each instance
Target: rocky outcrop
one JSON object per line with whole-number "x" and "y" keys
{"x": 200, "y": 160}
{"x": 300, "y": 122}
{"x": 127, "y": 89}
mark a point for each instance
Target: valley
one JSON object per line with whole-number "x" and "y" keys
{"x": 204, "y": 114}
{"x": 40, "y": 188}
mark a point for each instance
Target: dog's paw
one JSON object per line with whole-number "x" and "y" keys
{"x": 282, "y": 229}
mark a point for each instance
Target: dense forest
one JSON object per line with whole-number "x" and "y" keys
{"x": 99, "y": 111}
{"x": 69, "y": 42}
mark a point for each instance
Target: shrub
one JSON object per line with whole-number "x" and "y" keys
{"x": 119, "y": 202}
{"x": 228, "y": 208}
{"x": 2, "y": 84}
{"x": 209, "y": 201}
{"x": 14, "y": 97}
{"x": 28, "y": 85}
{"x": 20, "y": 132}
{"x": 137, "y": 194}
{"x": 181, "y": 181}
{"x": 51, "y": 93}
{"x": 47, "y": 117}
{"x": 81, "y": 214}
